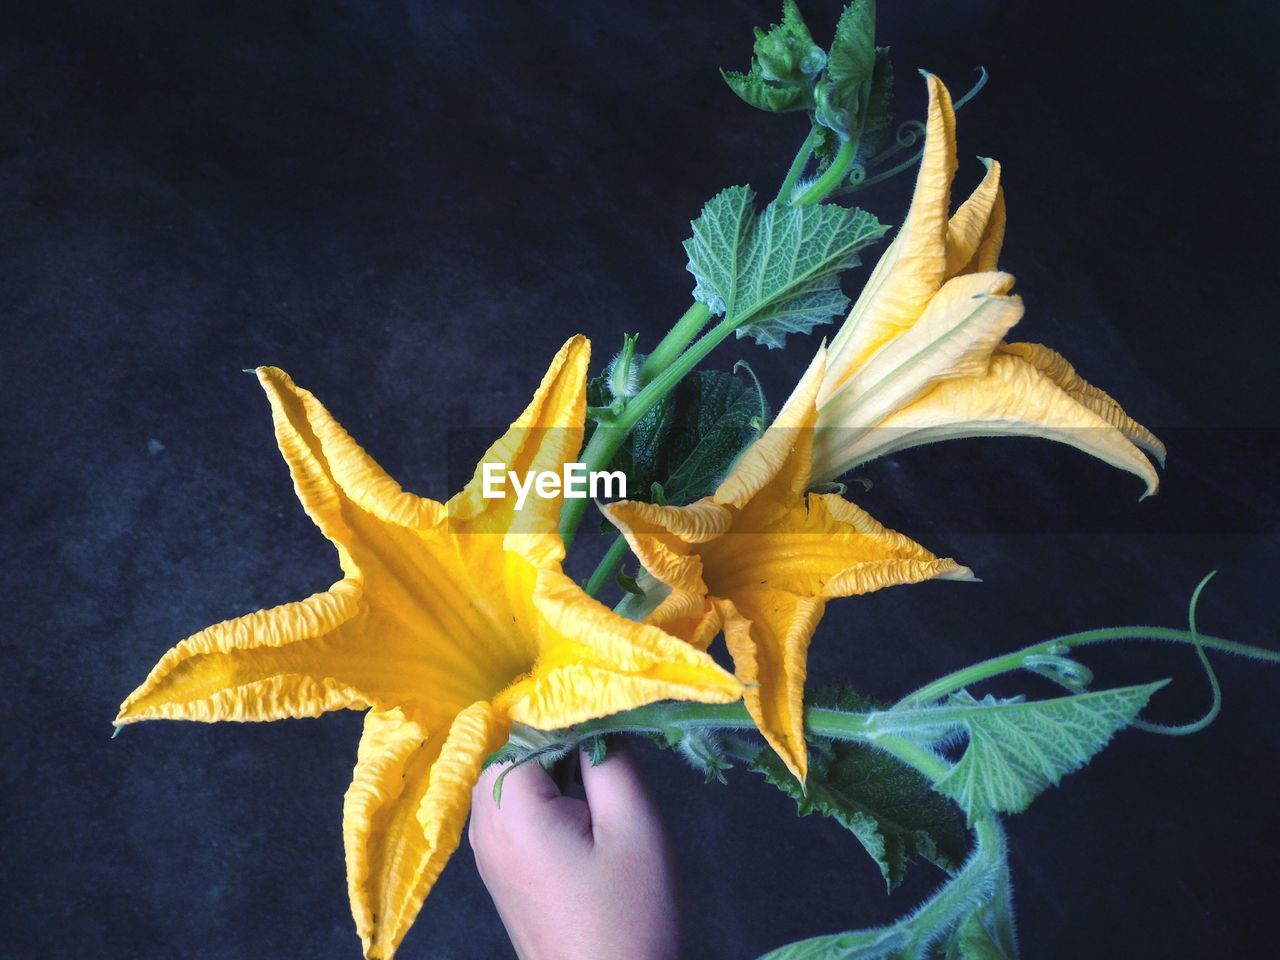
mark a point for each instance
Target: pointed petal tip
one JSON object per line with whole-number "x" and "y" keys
{"x": 115, "y": 730}
{"x": 960, "y": 574}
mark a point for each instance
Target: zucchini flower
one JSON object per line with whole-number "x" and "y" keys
{"x": 760, "y": 558}
{"x": 452, "y": 621}
{"x": 922, "y": 356}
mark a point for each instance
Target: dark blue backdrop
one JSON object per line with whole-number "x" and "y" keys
{"x": 409, "y": 208}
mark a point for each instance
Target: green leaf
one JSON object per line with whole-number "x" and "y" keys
{"x": 764, "y": 94}
{"x": 974, "y": 940}
{"x": 974, "y": 889}
{"x": 647, "y": 445}
{"x": 891, "y": 809}
{"x": 596, "y": 750}
{"x": 776, "y": 272}
{"x": 987, "y": 933}
{"x": 715, "y": 414}
{"x": 1018, "y": 749}
{"x": 642, "y": 456}
{"x": 784, "y": 66}
{"x": 877, "y": 124}
{"x": 787, "y": 50}
{"x": 686, "y": 444}
{"x": 842, "y": 96}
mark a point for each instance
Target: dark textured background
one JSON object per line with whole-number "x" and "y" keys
{"x": 409, "y": 208}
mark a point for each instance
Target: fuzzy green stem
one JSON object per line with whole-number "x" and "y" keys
{"x": 609, "y": 436}
{"x": 821, "y": 722}
{"x": 913, "y": 755}
{"x": 662, "y": 716}
{"x": 607, "y": 565}
{"x": 798, "y": 164}
{"x": 832, "y": 177}
{"x": 677, "y": 338}
{"x": 957, "y": 899}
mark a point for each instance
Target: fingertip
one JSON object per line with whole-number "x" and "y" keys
{"x": 614, "y": 787}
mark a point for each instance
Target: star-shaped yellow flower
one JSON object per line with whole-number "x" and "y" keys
{"x": 922, "y": 358}
{"x": 759, "y": 559}
{"x": 451, "y": 622}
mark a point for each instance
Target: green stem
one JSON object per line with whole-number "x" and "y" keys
{"x": 662, "y": 716}
{"x": 832, "y": 177}
{"x": 959, "y": 897}
{"x": 607, "y": 565}
{"x": 913, "y": 755}
{"x": 1016, "y": 661}
{"x": 609, "y": 436}
{"x": 798, "y": 164}
{"x": 677, "y": 338}
{"x": 667, "y": 365}
{"x": 822, "y": 722}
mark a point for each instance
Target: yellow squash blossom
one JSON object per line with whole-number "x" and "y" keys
{"x": 922, "y": 357}
{"x": 760, "y": 558}
{"x": 451, "y": 622}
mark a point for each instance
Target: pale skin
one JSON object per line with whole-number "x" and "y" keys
{"x": 577, "y": 879}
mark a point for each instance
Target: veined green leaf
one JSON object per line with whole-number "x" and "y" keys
{"x": 776, "y": 272}
{"x": 842, "y": 96}
{"x": 769, "y": 95}
{"x": 689, "y": 440}
{"x": 1017, "y": 749}
{"x": 891, "y": 809}
{"x": 987, "y": 933}
{"x": 877, "y": 123}
{"x": 784, "y": 66}
{"x": 715, "y": 414}
{"x": 787, "y": 51}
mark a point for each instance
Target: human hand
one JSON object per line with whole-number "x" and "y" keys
{"x": 577, "y": 879}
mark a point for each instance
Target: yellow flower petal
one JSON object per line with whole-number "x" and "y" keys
{"x": 543, "y": 438}
{"x": 768, "y": 635}
{"x": 446, "y": 620}
{"x": 784, "y": 451}
{"x": 976, "y": 230}
{"x": 1014, "y": 398}
{"x": 954, "y": 337}
{"x": 988, "y": 255}
{"x": 1055, "y": 366}
{"x": 404, "y": 812}
{"x": 889, "y": 558}
{"x": 249, "y": 668}
{"x": 595, "y": 663}
{"x": 913, "y": 267}
{"x": 761, "y": 561}
{"x": 331, "y": 472}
